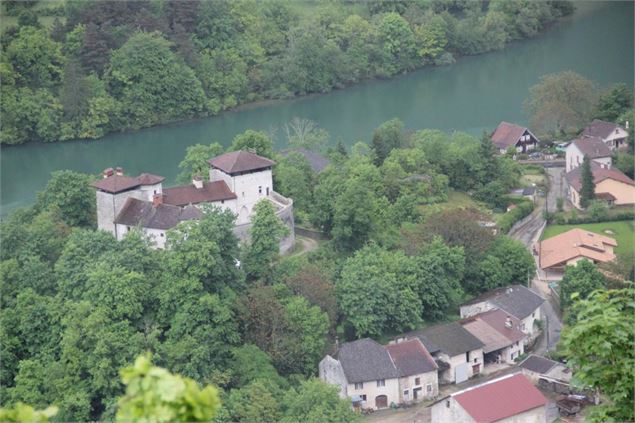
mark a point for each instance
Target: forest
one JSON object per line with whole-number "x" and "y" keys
{"x": 104, "y": 66}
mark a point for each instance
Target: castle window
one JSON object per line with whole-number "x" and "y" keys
{"x": 260, "y": 190}
{"x": 359, "y": 385}
{"x": 267, "y": 190}
{"x": 162, "y": 235}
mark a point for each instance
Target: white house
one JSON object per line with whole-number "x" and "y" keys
{"x": 612, "y": 134}
{"x": 376, "y": 376}
{"x": 500, "y": 333}
{"x": 507, "y": 399}
{"x": 458, "y": 353}
{"x": 593, "y": 147}
{"x": 517, "y": 300}
{"x": 238, "y": 180}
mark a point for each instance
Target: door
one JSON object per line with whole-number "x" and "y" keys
{"x": 381, "y": 401}
{"x": 416, "y": 393}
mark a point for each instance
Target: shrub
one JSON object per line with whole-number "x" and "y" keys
{"x": 508, "y": 220}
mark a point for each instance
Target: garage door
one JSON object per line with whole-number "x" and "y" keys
{"x": 381, "y": 401}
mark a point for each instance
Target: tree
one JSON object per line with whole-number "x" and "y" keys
{"x": 36, "y": 59}
{"x": 154, "y": 394}
{"x": 587, "y": 191}
{"x": 253, "y": 403}
{"x": 581, "y": 279}
{"x": 315, "y": 402}
{"x": 388, "y": 136}
{"x": 561, "y": 102}
{"x": 195, "y": 161}
{"x": 250, "y": 363}
{"x": 294, "y": 178}
{"x": 614, "y": 102}
{"x": 69, "y": 195}
{"x": 256, "y": 141}
{"x": 305, "y": 133}
{"x": 264, "y": 247}
{"x": 312, "y": 283}
{"x": 488, "y": 163}
{"x": 600, "y": 349}
{"x": 519, "y": 263}
{"x": 24, "y": 413}
{"x": 398, "y": 42}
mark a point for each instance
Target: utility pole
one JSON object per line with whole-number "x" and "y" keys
{"x": 547, "y": 330}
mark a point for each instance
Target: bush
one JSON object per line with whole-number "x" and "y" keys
{"x": 575, "y": 220}
{"x": 508, "y": 220}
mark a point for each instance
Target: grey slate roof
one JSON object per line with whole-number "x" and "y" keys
{"x": 450, "y": 338}
{"x": 317, "y": 161}
{"x": 538, "y": 364}
{"x": 364, "y": 360}
{"x": 163, "y": 216}
{"x": 593, "y": 147}
{"x": 517, "y": 300}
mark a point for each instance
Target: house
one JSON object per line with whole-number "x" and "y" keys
{"x": 510, "y": 135}
{"x": 375, "y": 376}
{"x": 458, "y": 353}
{"x": 611, "y": 185}
{"x": 237, "y": 181}
{"x": 593, "y": 147}
{"x": 517, "y": 300}
{"x": 500, "y": 333}
{"x": 510, "y": 398}
{"x": 612, "y": 134}
{"x": 528, "y": 193}
{"x": 568, "y": 248}
{"x": 536, "y": 367}
{"x": 317, "y": 162}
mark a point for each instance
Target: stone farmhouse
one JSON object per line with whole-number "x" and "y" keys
{"x": 566, "y": 249}
{"x": 612, "y": 134}
{"x": 536, "y": 367}
{"x": 375, "y": 376}
{"x": 507, "y": 399}
{"x": 237, "y": 181}
{"x": 516, "y": 300}
{"x": 500, "y": 333}
{"x": 458, "y": 353}
{"x": 511, "y": 135}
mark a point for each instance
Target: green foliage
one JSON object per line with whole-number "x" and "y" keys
{"x": 69, "y": 195}
{"x": 587, "y": 191}
{"x": 614, "y": 102}
{"x": 314, "y": 402}
{"x": 561, "y": 103}
{"x": 522, "y": 210}
{"x": 295, "y": 179}
{"x": 519, "y": 263}
{"x": 155, "y": 395}
{"x": 581, "y": 279}
{"x": 195, "y": 161}
{"x": 253, "y": 403}
{"x": 600, "y": 348}
{"x": 387, "y": 137}
{"x": 266, "y": 232}
{"x": 24, "y": 413}
{"x": 255, "y": 141}
{"x": 35, "y": 59}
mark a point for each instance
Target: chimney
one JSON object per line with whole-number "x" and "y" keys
{"x": 119, "y": 171}
{"x": 198, "y": 182}
{"x": 626, "y": 125}
{"x": 337, "y": 344}
{"x": 508, "y": 322}
{"x": 157, "y": 199}
{"x": 108, "y": 172}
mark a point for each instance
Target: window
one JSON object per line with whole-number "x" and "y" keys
{"x": 533, "y": 314}
{"x": 418, "y": 381}
{"x": 406, "y": 394}
{"x": 363, "y": 397}
{"x": 381, "y": 382}
{"x": 222, "y": 201}
{"x": 522, "y": 327}
{"x": 516, "y": 343}
{"x": 476, "y": 360}
{"x": 359, "y": 385}
{"x": 260, "y": 190}
{"x": 128, "y": 228}
{"x": 447, "y": 404}
{"x": 267, "y": 190}
{"x": 467, "y": 356}
{"x": 155, "y": 191}
{"x": 429, "y": 387}
{"x": 162, "y": 234}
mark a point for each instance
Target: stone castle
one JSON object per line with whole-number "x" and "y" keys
{"x": 237, "y": 181}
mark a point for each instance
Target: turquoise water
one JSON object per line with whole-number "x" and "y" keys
{"x": 474, "y": 94}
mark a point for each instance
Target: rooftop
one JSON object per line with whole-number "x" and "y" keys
{"x": 450, "y": 338}
{"x": 574, "y": 177}
{"x": 516, "y": 300}
{"x": 317, "y": 161}
{"x": 538, "y": 364}
{"x": 411, "y": 357}
{"x": 500, "y": 398}
{"x": 489, "y": 327}
{"x": 137, "y": 212}
{"x": 600, "y": 128}
{"x": 240, "y": 161}
{"x": 118, "y": 183}
{"x": 507, "y": 134}
{"x": 365, "y": 360}
{"x": 593, "y": 147}
{"x": 189, "y": 194}
{"x": 575, "y": 243}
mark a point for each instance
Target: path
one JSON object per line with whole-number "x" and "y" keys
{"x": 308, "y": 244}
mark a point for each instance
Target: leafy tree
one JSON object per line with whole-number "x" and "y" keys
{"x": 561, "y": 102}
{"x": 69, "y": 195}
{"x": 488, "y": 163}
{"x": 162, "y": 91}
{"x": 25, "y": 413}
{"x": 315, "y": 401}
{"x": 491, "y": 275}
{"x": 397, "y": 41}
{"x": 154, "y": 394}
{"x": 600, "y": 349}
{"x": 587, "y": 191}
{"x": 312, "y": 283}
{"x": 266, "y": 232}
{"x": 195, "y": 161}
{"x": 256, "y": 141}
{"x": 519, "y": 263}
{"x": 388, "y": 136}
{"x": 581, "y": 279}
{"x": 250, "y": 363}
{"x": 614, "y": 102}
{"x": 29, "y": 115}
{"x": 253, "y": 403}
{"x": 36, "y": 59}
{"x": 294, "y": 178}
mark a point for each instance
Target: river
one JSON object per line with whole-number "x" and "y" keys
{"x": 474, "y": 94}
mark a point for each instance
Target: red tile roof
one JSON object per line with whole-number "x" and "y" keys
{"x": 240, "y": 161}
{"x": 593, "y": 147}
{"x": 149, "y": 179}
{"x": 600, "y": 128}
{"x": 507, "y": 134}
{"x": 116, "y": 183}
{"x": 574, "y": 177}
{"x": 411, "y": 357}
{"x": 189, "y": 194}
{"x": 501, "y": 398}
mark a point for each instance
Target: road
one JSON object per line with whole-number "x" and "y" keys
{"x": 529, "y": 233}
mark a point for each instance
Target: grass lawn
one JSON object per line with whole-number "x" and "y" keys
{"x": 623, "y": 232}
{"x": 456, "y": 200}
